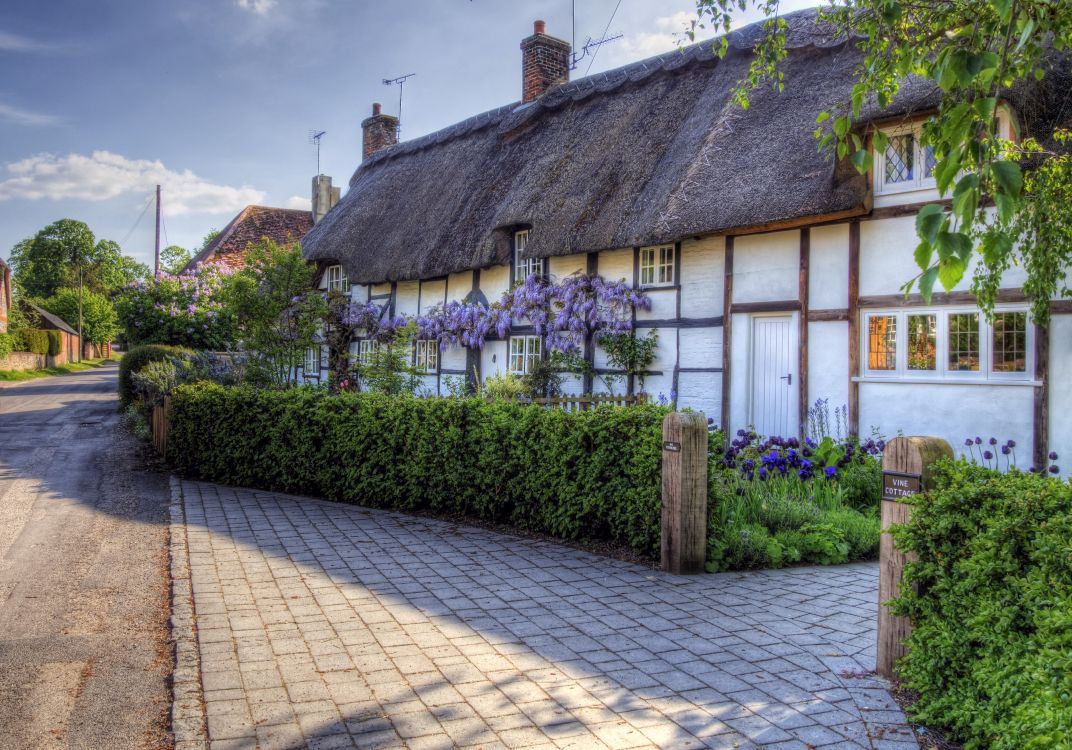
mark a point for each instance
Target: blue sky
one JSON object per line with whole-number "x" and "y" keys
{"x": 215, "y": 99}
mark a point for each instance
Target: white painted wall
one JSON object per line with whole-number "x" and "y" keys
{"x": 740, "y": 367}
{"x": 406, "y": 294}
{"x": 459, "y": 285}
{"x": 566, "y": 265}
{"x": 701, "y": 391}
{"x": 617, "y": 265}
{"x": 1061, "y": 391}
{"x": 663, "y": 304}
{"x": 703, "y": 273}
{"x": 432, "y": 294}
{"x": 494, "y": 281}
{"x": 828, "y": 272}
{"x": 828, "y": 363}
{"x": 766, "y": 267}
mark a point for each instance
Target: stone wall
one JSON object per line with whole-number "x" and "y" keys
{"x": 22, "y": 361}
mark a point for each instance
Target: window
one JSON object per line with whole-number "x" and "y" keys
{"x": 904, "y": 164}
{"x": 952, "y": 343}
{"x": 312, "y": 361}
{"x": 524, "y": 350}
{"x": 657, "y": 265}
{"x": 426, "y": 355}
{"x": 336, "y": 278}
{"x": 525, "y": 267}
{"x": 365, "y": 349}
{"x": 923, "y": 342}
{"x": 1010, "y": 342}
{"x": 882, "y": 342}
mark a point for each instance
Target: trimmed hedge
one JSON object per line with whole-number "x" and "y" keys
{"x": 35, "y": 340}
{"x": 991, "y": 604}
{"x": 55, "y": 343}
{"x": 140, "y": 356}
{"x": 589, "y": 474}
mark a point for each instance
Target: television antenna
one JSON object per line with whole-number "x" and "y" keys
{"x": 591, "y": 46}
{"x": 314, "y": 138}
{"x": 399, "y": 81}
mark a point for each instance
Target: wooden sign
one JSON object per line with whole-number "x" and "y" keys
{"x": 671, "y": 446}
{"x": 898, "y": 485}
{"x": 684, "y": 512}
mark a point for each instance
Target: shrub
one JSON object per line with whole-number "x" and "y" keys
{"x": 591, "y": 474}
{"x": 9, "y": 342}
{"x": 35, "y": 340}
{"x": 135, "y": 359}
{"x": 990, "y": 598}
{"x": 55, "y": 343}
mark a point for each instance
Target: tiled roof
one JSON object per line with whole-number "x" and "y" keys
{"x": 253, "y": 223}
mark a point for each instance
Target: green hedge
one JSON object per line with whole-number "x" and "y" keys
{"x": 9, "y": 342}
{"x": 55, "y": 343}
{"x": 35, "y": 340}
{"x": 991, "y": 649}
{"x": 591, "y": 474}
{"x": 140, "y": 356}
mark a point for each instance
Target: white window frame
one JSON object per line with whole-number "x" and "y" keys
{"x": 657, "y": 266}
{"x": 526, "y": 349}
{"x": 919, "y": 182}
{"x": 524, "y": 267}
{"x": 426, "y": 355}
{"x": 985, "y": 373}
{"x": 307, "y": 367}
{"x": 336, "y": 279}
{"x": 365, "y": 349}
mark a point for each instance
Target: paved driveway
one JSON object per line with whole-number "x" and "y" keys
{"x": 329, "y": 625}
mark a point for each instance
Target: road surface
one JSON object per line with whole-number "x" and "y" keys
{"x": 84, "y": 654}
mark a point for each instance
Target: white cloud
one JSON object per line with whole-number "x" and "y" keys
{"x": 14, "y": 43}
{"x": 299, "y": 202}
{"x": 12, "y": 114}
{"x": 260, "y": 7}
{"x": 105, "y": 175}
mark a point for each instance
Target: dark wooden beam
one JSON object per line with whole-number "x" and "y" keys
{"x": 938, "y": 298}
{"x": 820, "y": 316}
{"x": 854, "y": 327}
{"x": 802, "y": 366}
{"x": 682, "y": 323}
{"x": 1041, "y": 428}
{"x": 782, "y": 305}
{"x": 727, "y": 310}
{"x": 592, "y": 268}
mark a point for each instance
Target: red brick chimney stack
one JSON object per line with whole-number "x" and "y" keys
{"x": 378, "y": 132}
{"x": 545, "y": 61}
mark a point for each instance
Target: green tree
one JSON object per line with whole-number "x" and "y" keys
{"x": 973, "y": 51}
{"x": 276, "y": 309}
{"x": 174, "y": 258}
{"x": 100, "y": 323}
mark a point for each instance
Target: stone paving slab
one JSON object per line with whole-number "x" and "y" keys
{"x": 333, "y": 626}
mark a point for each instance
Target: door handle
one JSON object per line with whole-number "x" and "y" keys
{"x": 788, "y": 378}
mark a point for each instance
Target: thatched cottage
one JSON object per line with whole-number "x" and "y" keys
{"x": 774, "y": 270}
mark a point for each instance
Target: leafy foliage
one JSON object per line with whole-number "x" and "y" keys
{"x": 186, "y": 310}
{"x": 100, "y": 322}
{"x": 35, "y": 340}
{"x": 592, "y": 474}
{"x": 973, "y": 52}
{"x": 9, "y": 342}
{"x": 174, "y": 258}
{"x": 990, "y": 598}
{"x": 140, "y": 356}
{"x": 631, "y": 353}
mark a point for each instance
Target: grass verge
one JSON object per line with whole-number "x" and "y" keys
{"x": 67, "y": 369}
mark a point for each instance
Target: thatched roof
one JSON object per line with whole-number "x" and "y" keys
{"x": 253, "y": 223}
{"x": 655, "y": 151}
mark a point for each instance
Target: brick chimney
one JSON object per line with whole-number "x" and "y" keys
{"x": 545, "y": 61}
{"x": 324, "y": 196}
{"x": 379, "y": 132}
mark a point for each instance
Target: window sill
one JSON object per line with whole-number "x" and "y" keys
{"x": 894, "y": 380}
{"x": 658, "y": 287}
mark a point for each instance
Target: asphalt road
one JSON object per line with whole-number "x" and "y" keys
{"x": 84, "y": 656}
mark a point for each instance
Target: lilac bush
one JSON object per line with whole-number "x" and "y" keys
{"x": 184, "y": 309}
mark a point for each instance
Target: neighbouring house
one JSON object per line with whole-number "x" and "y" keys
{"x": 5, "y": 295}
{"x": 37, "y": 317}
{"x": 774, "y": 269}
{"x": 254, "y": 223}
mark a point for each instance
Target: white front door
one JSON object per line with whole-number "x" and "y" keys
{"x": 774, "y": 376}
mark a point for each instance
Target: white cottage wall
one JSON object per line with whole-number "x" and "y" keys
{"x": 766, "y": 267}
{"x": 828, "y": 273}
{"x": 702, "y": 278}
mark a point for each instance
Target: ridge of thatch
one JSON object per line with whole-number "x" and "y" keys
{"x": 655, "y": 151}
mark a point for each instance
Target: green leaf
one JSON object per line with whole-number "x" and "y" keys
{"x": 1003, "y": 8}
{"x": 1006, "y": 207}
{"x": 926, "y": 283}
{"x": 950, "y": 272}
{"x": 946, "y": 171}
{"x": 823, "y": 117}
{"x": 880, "y": 140}
{"x": 966, "y": 197}
{"x": 862, "y": 160}
{"x": 1008, "y": 176}
{"x": 929, "y": 221}
{"x": 924, "y": 253}
{"x": 841, "y": 126}
{"x": 994, "y": 247}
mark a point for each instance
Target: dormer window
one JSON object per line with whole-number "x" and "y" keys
{"x": 905, "y": 164}
{"x": 336, "y": 279}
{"x": 525, "y": 267}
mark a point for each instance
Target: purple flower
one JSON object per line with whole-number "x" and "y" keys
{"x": 988, "y": 455}
{"x": 978, "y": 441}
{"x": 968, "y": 442}
{"x": 1005, "y": 450}
{"x": 993, "y": 441}
{"x": 1053, "y": 455}
{"x": 830, "y": 472}
{"x": 1011, "y": 443}
{"x": 1054, "y": 469}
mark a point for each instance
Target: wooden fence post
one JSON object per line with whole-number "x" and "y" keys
{"x": 906, "y": 463}
{"x": 684, "y": 517}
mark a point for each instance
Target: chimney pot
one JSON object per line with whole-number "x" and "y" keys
{"x": 545, "y": 61}
{"x": 378, "y": 132}
{"x": 375, "y": 108}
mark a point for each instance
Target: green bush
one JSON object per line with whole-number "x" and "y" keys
{"x": 137, "y": 358}
{"x": 35, "y": 340}
{"x": 591, "y": 474}
{"x": 9, "y": 342}
{"x": 55, "y": 343}
{"x": 990, "y": 599}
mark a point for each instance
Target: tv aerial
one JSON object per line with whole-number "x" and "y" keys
{"x": 314, "y": 138}
{"x": 399, "y": 82}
